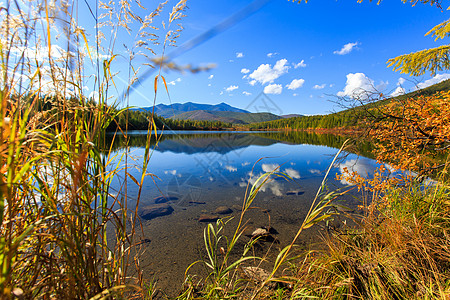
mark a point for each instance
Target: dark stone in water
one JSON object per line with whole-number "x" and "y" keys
{"x": 208, "y": 218}
{"x": 197, "y": 202}
{"x": 223, "y": 210}
{"x": 163, "y": 199}
{"x": 143, "y": 241}
{"x": 156, "y": 210}
{"x": 294, "y": 193}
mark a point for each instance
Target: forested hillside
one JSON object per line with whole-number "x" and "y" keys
{"x": 346, "y": 118}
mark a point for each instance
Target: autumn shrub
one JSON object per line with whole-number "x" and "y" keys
{"x": 413, "y": 133}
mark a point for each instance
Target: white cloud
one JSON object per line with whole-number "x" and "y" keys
{"x": 239, "y": 54}
{"x": 246, "y": 93}
{"x": 292, "y": 173}
{"x": 272, "y": 185}
{"x": 266, "y": 74}
{"x": 319, "y": 87}
{"x": 171, "y": 172}
{"x": 270, "y": 167}
{"x": 398, "y": 91}
{"x": 173, "y": 82}
{"x": 253, "y": 82}
{"x": 231, "y": 88}
{"x": 94, "y": 95}
{"x": 245, "y": 163}
{"x": 295, "y": 84}
{"x": 272, "y": 54}
{"x": 436, "y": 79}
{"x": 362, "y": 166}
{"x": 300, "y": 64}
{"x": 346, "y": 49}
{"x": 230, "y": 168}
{"x": 358, "y": 85}
{"x": 295, "y": 95}
{"x": 211, "y": 76}
{"x": 275, "y": 89}
{"x": 245, "y": 71}
{"x": 221, "y": 93}
{"x": 314, "y": 171}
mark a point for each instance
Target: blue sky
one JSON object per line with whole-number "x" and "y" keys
{"x": 301, "y": 55}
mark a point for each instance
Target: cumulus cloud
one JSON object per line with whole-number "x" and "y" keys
{"x": 266, "y": 74}
{"x": 173, "y": 82}
{"x": 211, "y": 76}
{"x": 292, "y": 173}
{"x": 319, "y": 87}
{"x": 239, "y": 54}
{"x": 300, "y": 64}
{"x": 231, "y": 88}
{"x": 362, "y": 166}
{"x": 253, "y": 82}
{"x": 314, "y": 171}
{"x": 346, "y": 49}
{"x": 358, "y": 85}
{"x": 295, "y": 84}
{"x": 245, "y": 71}
{"x": 246, "y": 93}
{"x": 230, "y": 168}
{"x": 275, "y": 89}
{"x": 273, "y": 186}
{"x": 272, "y": 54}
{"x": 398, "y": 91}
{"x": 436, "y": 79}
{"x": 270, "y": 167}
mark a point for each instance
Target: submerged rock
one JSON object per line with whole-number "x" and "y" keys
{"x": 196, "y": 202}
{"x": 156, "y": 210}
{"x": 264, "y": 234}
{"x": 223, "y": 210}
{"x": 208, "y": 218}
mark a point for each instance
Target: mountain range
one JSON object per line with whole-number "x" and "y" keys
{"x": 208, "y": 112}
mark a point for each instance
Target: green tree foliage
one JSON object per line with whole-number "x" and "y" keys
{"x": 140, "y": 120}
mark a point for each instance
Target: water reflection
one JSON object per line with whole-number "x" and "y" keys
{"x": 191, "y": 142}
{"x": 195, "y": 166}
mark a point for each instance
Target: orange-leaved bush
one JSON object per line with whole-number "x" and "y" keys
{"x": 414, "y": 133}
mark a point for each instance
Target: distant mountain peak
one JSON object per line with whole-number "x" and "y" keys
{"x": 173, "y": 109}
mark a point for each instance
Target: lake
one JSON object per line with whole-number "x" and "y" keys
{"x": 195, "y": 172}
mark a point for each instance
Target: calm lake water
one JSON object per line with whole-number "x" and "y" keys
{"x": 199, "y": 171}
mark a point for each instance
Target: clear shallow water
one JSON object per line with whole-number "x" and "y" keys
{"x": 201, "y": 171}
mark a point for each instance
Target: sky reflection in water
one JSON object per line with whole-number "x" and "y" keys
{"x": 192, "y": 167}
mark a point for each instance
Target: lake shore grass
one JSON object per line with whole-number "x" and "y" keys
{"x": 57, "y": 208}
{"x": 398, "y": 250}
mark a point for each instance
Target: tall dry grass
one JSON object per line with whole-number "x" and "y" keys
{"x": 64, "y": 234}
